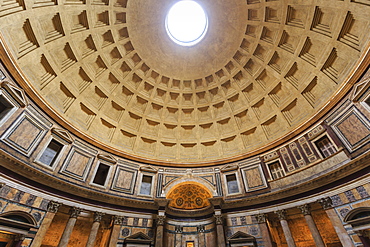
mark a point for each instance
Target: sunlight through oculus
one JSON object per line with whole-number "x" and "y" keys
{"x": 186, "y": 23}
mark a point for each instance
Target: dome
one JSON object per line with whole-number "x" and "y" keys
{"x": 109, "y": 72}
{"x": 115, "y": 131}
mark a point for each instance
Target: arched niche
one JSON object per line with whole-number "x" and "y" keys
{"x": 359, "y": 219}
{"x": 173, "y": 184}
{"x": 189, "y": 195}
{"x": 15, "y": 226}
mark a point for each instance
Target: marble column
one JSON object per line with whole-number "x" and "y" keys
{"x": 117, "y": 222}
{"x": 327, "y": 205}
{"x": 74, "y": 212}
{"x": 306, "y": 211}
{"x": 49, "y": 216}
{"x": 265, "y": 232}
{"x": 160, "y": 230}
{"x": 284, "y": 223}
{"x": 201, "y": 235}
{"x": 94, "y": 229}
{"x": 220, "y": 229}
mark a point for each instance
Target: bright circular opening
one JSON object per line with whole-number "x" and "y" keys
{"x": 186, "y": 23}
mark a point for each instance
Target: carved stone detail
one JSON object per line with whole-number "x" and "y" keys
{"x": 74, "y": 212}
{"x": 160, "y": 220}
{"x": 19, "y": 237}
{"x": 117, "y": 220}
{"x": 305, "y": 209}
{"x": 98, "y": 216}
{"x": 363, "y": 233}
{"x": 261, "y": 218}
{"x": 1, "y": 185}
{"x": 281, "y": 214}
{"x": 178, "y": 229}
{"x": 53, "y": 207}
{"x": 326, "y": 203}
{"x": 200, "y": 229}
{"x": 218, "y": 219}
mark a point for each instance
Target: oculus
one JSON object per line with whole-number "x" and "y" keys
{"x": 186, "y": 23}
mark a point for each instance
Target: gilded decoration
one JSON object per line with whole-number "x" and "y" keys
{"x": 189, "y": 196}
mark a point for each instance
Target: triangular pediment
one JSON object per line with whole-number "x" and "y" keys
{"x": 107, "y": 157}
{"x": 148, "y": 169}
{"x": 17, "y": 93}
{"x": 139, "y": 236}
{"x": 241, "y": 235}
{"x": 229, "y": 168}
{"x": 63, "y": 134}
{"x": 359, "y": 89}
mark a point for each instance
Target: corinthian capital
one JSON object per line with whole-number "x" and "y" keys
{"x": 261, "y": 218}
{"x": 281, "y": 214}
{"x": 74, "y": 212}
{"x": 117, "y": 220}
{"x": 53, "y": 206}
{"x": 160, "y": 220}
{"x": 305, "y": 209}
{"x": 218, "y": 219}
{"x": 326, "y": 203}
{"x": 98, "y": 216}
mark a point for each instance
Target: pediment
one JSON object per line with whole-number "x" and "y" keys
{"x": 63, "y": 134}
{"x": 107, "y": 157}
{"x": 139, "y": 238}
{"x": 242, "y": 236}
{"x": 229, "y": 168}
{"x": 148, "y": 169}
{"x": 17, "y": 93}
{"x": 359, "y": 89}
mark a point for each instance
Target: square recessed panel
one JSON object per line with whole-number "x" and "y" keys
{"x": 77, "y": 164}
{"x": 124, "y": 179}
{"x": 24, "y": 134}
{"x": 353, "y": 128}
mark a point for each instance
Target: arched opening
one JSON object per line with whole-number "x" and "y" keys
{"x": 14, "y": 227}
{"x": 359, "y": 218}
{"x": 189, "y": 196}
